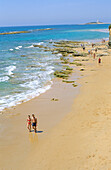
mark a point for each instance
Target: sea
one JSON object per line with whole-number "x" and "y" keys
{"x": 27, "y": 71}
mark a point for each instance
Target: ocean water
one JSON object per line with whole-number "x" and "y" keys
{"x": 27, "y": 71}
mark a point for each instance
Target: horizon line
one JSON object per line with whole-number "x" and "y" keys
{"x": 50, "y": 24}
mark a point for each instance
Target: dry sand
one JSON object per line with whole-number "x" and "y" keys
{"x": 78, "y": 141}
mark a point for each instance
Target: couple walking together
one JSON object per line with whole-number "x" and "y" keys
{"x": 32, "y": 122}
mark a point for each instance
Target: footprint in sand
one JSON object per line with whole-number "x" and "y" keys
{"x": 90, "y": 156}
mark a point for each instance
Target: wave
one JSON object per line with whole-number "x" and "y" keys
{"x": 31, "y": 46}
{"x": 36, "y": 84}
{"x": 100, "y": 30}
{"x": 11, "y": 49}
{"x": 94, "y": 30}
{"x": 5, "y": 78}
{"x": 59, "y": 55}
{"x": 40, "y": 43}
{"x": 9, "y": 101}
{"x": 31, "y": 85}
{"x": 10, "y": 70}
{"x": 18, "y": 47}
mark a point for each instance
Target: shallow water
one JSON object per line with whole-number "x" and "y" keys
{"x": 26, "y": 71}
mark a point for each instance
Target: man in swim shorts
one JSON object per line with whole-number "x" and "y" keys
{"x": 34, "y": 122}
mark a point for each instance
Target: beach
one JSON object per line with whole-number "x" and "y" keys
{"x": 73, "y": 131}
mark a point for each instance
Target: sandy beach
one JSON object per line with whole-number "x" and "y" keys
{"x": 73, "y": 132}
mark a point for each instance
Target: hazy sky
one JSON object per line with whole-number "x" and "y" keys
{"x": 42, "y": 12}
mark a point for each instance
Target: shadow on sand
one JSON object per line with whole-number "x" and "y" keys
{"x": 38, "y": 131}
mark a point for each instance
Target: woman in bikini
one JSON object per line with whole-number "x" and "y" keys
{"x": 29, "y": 123}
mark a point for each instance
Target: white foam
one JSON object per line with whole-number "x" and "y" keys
{"x": 100, "y": 30}
{"x": 60, "y": 55}
{"x": 5, "y": 78}
{"x": 85, "y": 30}
{"x": 49, "y": 70}
{"x": 31, "y": 46}
{"x": 31, "y": 85}
{"x": 11, "y": 49}
{"x": 40, "y": 43}
{"x": 10, "y": 70}
{"x": 19, "y": 98}
{"x": 18, "y": 47}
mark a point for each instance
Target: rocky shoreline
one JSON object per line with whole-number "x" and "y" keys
{"x": 20, "y": 32}
{"x": 72, "y": 56}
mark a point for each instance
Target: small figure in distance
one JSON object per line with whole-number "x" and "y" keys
{"x": 89, "y": 52}
{"x": 99, "y": 60}
{"x": 96, "y": 49}
{"x": 83, "y": 48}
{"x": 29, "y": 123}
{"x": 103, "y": 41}
{"x": 34, "y": 122}
{"x": 92, "y": 45}
{"x": 94, "y": 56}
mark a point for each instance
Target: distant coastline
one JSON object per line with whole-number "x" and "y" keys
{"x": 91, "y": 23}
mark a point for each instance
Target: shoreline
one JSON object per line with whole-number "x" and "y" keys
{"x": 82, "y": 138}
{"x": 51, "y": 115}
{"x": 49, "y": 83}
{"x": 10, "y": 141}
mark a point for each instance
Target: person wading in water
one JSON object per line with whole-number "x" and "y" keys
{"x": 34, "y": 122}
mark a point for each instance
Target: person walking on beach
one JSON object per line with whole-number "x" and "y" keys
{"x": 83, "y": 48}
{"x": 29, "y": 123}
{"x": 34, "y": 122}
{"x": 89, "y": 52}
{"x": 94, "y": 56}
{"x": 96, "y": 50}
{"x": 99, "y": 60}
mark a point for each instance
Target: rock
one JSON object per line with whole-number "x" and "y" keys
{"x": 40, "y": 46}
{"x": 53, "y": 99}
{"x": 74, "y": 85}
{"x": 99, "y": 48}
{"x": 78, "y": 54}
{"x": 85, "y": 59}
{"x": 20, "y": 32}
{"x": 82, "y": 69}
{"x": 14, "y": 32}
{"x": 23, "y": 55}
{"x": 68, "y": 81}
{"x": 103, "y": 54}
{"x": 32, "y": 66}
{"x": 77, "y": 64}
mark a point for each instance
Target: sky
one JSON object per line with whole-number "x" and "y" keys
{"x": 50, "y": 12}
